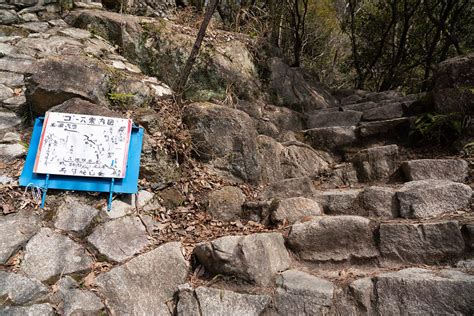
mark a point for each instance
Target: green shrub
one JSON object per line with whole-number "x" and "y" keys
{"x": 438, "y": 128}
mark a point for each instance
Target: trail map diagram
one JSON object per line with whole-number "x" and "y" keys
{"x": 83, "y": 145}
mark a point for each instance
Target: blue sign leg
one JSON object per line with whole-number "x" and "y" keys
{"x": 109, "y": 204}
{"x": 45, "y": 189}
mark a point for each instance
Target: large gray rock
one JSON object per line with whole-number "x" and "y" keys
{"x": 292, "y": 89}
{"x": 226, "y": 203}
{"x": 120, "y": 239}
{"x": 17, "y": 289}
{"x": 49, "y": 254}
{"x": 32, "y": 310}
{"x": 428, "y": 243}
{"x": 291, "y": 210}
{"x": 453, "y": 82}
{"x": 16, "y": 230}
{"x": 341, "y": 201}
{"x": 376, "y": 163}
{"x": 8, "y": 120}
{"x": 417, "y": 291}
{"x": 75, "y": 301}
{"x": 74, "y": 215}
{"x": 333, "y": 238}
{"x": 257, "y": 257}
{"x": 333, "y": 118}
{"x": 427, "y": 198}
{"x": 332, "y": 138}
{"x": 145, "y": 284}
{"x": 299, "y": 293}
{"x": 236, "y": 143}
{"x": 377, "y": 201}
{"x": 442, "y": 169}
{"x": 58, "y": 79}
{"x": 207, "y": 301}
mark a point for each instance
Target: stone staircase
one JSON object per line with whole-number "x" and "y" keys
{"x": 394, "y": 236}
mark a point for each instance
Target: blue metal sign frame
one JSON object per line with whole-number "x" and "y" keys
{"x": 129, "y": 184}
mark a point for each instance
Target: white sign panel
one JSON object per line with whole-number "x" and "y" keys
{"x": 83, "y": 145}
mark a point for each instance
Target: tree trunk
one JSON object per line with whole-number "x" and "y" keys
{"x": 183, "y": 79}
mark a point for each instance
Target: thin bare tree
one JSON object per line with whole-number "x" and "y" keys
{"x": 183, "y": 79}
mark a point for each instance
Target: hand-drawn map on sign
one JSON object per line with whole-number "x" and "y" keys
{"x": 83, "y": 145}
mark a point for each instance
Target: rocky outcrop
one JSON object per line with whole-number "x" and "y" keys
{"x": 60, "y": 79}
{"x": 161, "y": 49}
{"x": 236, "y": 145}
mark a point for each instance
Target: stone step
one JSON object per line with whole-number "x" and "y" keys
{"x": 442, "y": 169}
{"x": 293, "y": 200}
{"x": 332, "y": 242}
{"x": 376, "y": 291}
